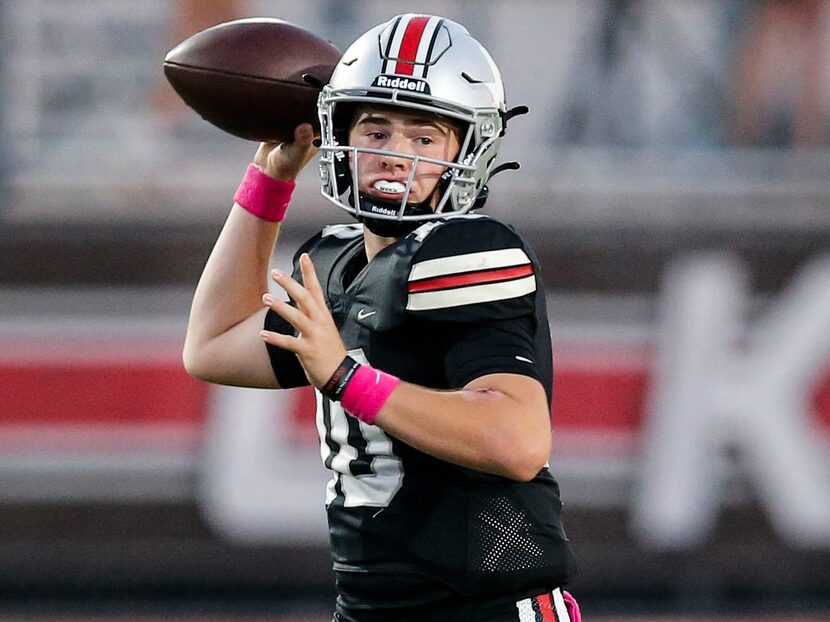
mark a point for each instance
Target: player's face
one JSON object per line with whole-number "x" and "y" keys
{"x": 411, "y": 133}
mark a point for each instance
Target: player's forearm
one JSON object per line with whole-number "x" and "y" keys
{"x": 233, "y": 281}
{"x": 486, "y": 430}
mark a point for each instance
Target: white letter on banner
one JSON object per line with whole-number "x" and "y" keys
{"x": 717, "y": 385}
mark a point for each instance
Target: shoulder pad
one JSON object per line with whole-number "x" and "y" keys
{"x": 468, "y": 270}
{"x": 344, "y": 232}
{"x": 325, "y": 247}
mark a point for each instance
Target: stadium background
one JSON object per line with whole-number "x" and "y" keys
{"x": 676, "y": 155}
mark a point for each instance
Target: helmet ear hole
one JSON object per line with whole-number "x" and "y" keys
{"x": 342, "y": 173}
{"x": 343, "y": 116}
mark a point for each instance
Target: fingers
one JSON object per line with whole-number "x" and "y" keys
{"x": 285, "y": 160}
{"x": 311, "y": 304}
{"x": 303, "y": 135}
{"x": 318, "y": 344}
{"x": 304, "y": 299}
{"x": 309, "y": 296}
{"x": 283, "y": 342}
{"x": 298, "y": 152}
{"x": 295, "y": 317}
{"x": 312, "y": 283}
{"x": 261, "y": 156}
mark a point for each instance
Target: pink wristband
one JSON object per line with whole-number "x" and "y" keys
{"x": 367, "y": 392}
{"x": 264, "y": 196}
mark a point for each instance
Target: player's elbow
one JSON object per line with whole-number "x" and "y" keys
{"x": 521, "y": 461}
{"x": 194, "y": 362}
{"x": 199, "y": 360}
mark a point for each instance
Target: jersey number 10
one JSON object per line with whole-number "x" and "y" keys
{"x": 366, "y": 471}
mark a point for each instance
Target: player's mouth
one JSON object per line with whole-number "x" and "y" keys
{"x": 389, "y": 188}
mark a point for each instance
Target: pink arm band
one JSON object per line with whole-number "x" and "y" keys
{"x": 264, "y": 196}
{"x": 367, "y": 392}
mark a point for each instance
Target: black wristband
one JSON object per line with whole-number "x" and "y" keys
{"x": 336, "y": 385}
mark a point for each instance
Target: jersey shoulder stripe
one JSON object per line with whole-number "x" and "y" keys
{"x": 470, "y": 278}
{"x": 476, "y": 294}
{"x": 468, "y": 262}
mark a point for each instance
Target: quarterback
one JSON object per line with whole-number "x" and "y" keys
{"x": 422, "y": 326}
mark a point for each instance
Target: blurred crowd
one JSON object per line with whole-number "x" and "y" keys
{"x": 81, "y": 85}
{"x": 641, "y": 72}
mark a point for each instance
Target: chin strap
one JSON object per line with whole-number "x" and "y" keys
{"x": 383, "y": 227}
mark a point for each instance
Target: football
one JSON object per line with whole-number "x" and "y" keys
{"x": 255, "y": 78}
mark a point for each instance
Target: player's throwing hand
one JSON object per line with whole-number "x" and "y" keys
{"x": 286, "y": 160}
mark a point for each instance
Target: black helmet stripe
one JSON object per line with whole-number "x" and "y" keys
{"x": 432, "y": 46}
{"x": 388, "y": 51}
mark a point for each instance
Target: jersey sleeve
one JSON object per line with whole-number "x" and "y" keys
{"x": 478, "y": 280}
{"x": 287, "y": 369}
{"x": 494, "y": 347}
{"x": 471, "y": 270}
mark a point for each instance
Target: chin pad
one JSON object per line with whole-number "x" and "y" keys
{"x": 388, "y": 228}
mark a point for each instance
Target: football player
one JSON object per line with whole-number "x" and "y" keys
{"x": 423, "y": 328}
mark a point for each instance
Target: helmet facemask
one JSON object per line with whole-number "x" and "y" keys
{"x": 455, "y": 193}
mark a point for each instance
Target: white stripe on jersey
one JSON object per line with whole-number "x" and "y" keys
{"x": 424, "y": 301}
{"x": 526, "y": 613}
{"x": 470, "y": 262}
{"x": 559, "y": 604}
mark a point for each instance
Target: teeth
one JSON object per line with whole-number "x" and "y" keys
{"x": 390, "y": 187}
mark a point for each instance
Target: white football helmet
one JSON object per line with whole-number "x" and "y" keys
{"x": 425, "y": 63}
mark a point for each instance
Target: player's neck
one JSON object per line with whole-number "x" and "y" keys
{"x": 375, "y": 243}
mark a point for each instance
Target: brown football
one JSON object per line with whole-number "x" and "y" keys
{"x": 246, "y": 77}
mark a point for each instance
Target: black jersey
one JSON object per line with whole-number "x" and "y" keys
{"x": 452, "y": 301}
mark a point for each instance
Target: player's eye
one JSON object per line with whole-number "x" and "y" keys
{"x": 425, "y": 140}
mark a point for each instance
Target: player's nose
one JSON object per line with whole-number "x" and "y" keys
{"x": 396, "y": 144}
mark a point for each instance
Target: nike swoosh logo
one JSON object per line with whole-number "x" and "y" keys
{"x": 363, "y": 314}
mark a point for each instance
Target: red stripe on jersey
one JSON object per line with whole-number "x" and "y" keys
{"x": 546, "y": 608}
{"x": 472, "y": 278}
{"x": 410, "y": 44}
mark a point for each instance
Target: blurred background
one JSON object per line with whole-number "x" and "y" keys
{"x": 675, "y": 184}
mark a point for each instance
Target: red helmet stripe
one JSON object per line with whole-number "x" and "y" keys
{"x": 410, "y": 44}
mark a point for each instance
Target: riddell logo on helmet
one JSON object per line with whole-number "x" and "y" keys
{"x": 378, "y": 209}
{"x": 404, "y": 84}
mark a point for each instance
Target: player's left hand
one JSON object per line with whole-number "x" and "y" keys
{"x": 318, "y": 344}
